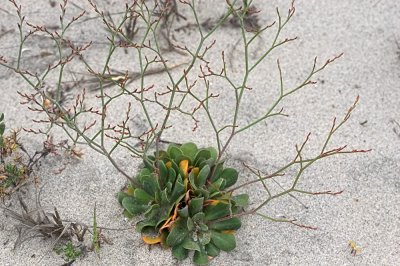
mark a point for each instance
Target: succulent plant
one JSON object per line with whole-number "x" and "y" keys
{"x": 181, "y": 194}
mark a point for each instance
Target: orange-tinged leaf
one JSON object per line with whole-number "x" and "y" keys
{"x": 184, "y": 166}
{"x": 167, "y": 224}
{"x": 129, "y": 191}
{"x": 231, "y": 232}
{"x": 151, "y": 240}
{"x": 168, "y": 164}
{"x": 214, "y": 202}
{"x": 171, "y": 219}
{"x": 176, "y": 211}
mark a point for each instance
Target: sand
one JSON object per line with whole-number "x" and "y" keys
{"x": 367, "y": 211}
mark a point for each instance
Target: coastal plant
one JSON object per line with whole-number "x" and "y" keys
{"x": 183, "y": 196}
{"x": 68, "y": 251}
{"x": 186, "y": 194}
{"x": 13, "y": 171}
{"x": 16, "y": 163}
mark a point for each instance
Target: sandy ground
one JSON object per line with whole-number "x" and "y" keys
{"x": 367, "y": 212}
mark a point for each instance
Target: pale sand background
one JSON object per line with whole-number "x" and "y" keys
{"x": 367, "y": 212}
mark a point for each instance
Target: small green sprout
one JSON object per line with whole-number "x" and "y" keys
{"x": 69, "y": 251}
{"x": 95, "y": 239}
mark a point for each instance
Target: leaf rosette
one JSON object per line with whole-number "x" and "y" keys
{"x": 181, "y": 193}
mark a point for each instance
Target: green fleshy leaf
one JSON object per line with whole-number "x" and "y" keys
{"x": 230, "y": 175}
{"x": 152, "y": 212}
{"x": 213, "y": 212}
{"x": 164, "y": 235}
{"x": 128, "y": 214}
{"x": 216, "y": 186}
{"x": 213, "y": 153}
{"x": 217, "y": 172}
{"x": 182, "y": 157}
{"x": 202, "y": 177}
{"x": 171, "y": 175}
{"x": 157, "y": 196}
{"x": 203, "y": 227}
{"x": 195, "y": 205}
{"x": 176, "y": 168}
{"x": 165, "y": 208}
{"x": 202, "y": 154}
{"x": 190, "y": 224}
{"x": 145, "y": 224}
{"x": 141, "y": 178}
{"x": 212, "y": 250}
{"x": 198, "y": 218}
{"x": 179, "y": 252}
{"x": 133, "y": 206}
{"x": 241, "y": 200}
{"x": 184, "y": 212}
{"x": 144, "y": 172}
{"x": 178, "y": 233}
{"x": 192, "y": 180}
{"x": 205, "y": 237}
{"x": 120, "y": 196}
{"x": 164, "y": 198}
{"x": 150, "y": 185}
{"x": 174, "y": 152}
{"x": 225, "y": 242}
{"x": 199, "y": 162}
{"x": 178, "y": 191}
{"x": 190, "y": 150}
{"x": 200, "y": 258}
{"x": 202, "y": 193}
{"x": 162, "y": 155}
{"x": 230, "y": 224}
{"x": 170, "y": 146}
{"x": 164, "y": 174}
{"x": 168, "y": 186}
{"x": 215, "y": 195}
{"x": 236, "y": 210}
{"x": 179, "y": 178}
{"x": 152, "y": 216}
{"x": 190, "y": 244}
{"x": 1, "y": 117}
{"x": 210, "y": 162}
{"x": 142, "y": 196}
